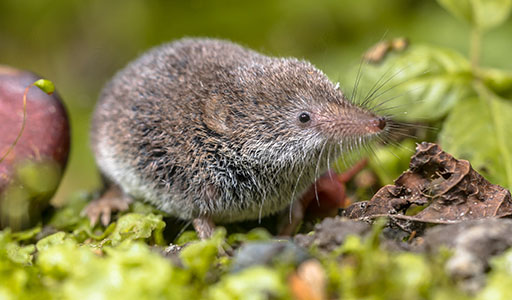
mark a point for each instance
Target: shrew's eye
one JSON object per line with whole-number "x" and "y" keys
{"x": 304, "y": 117}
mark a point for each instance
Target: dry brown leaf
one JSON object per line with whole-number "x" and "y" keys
{"x": 449, "y": 189}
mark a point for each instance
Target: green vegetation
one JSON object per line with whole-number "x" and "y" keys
{"x": 126, "y": 261}
{"x": 80, "y": 44}
{"x": 465, "y": 92}
{"x": 469, "y": 104}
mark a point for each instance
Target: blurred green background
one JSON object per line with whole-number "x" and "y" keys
{"x": 79, "y": 44}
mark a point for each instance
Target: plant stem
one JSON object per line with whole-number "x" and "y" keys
{"x": 23, "y": 121}
{"x": 498, "y": 124}
{"x": 475, "y": 47}
{"x": 492, "y": 103}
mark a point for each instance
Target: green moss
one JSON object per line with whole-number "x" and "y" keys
{"x": 125, "y": 261}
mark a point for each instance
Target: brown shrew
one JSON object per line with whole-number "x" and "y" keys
{"x": 210, "y": 131}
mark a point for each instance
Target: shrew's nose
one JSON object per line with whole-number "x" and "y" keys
{"x": 377, "y": 124}
{"x": 381, "y": 123}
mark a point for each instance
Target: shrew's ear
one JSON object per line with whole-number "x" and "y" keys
{"x": 216, "y": 116}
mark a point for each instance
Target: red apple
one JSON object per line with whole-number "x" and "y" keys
{"x": 30, "y": 173}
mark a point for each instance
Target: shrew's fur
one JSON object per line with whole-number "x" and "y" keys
{"x": 203, "y": 127}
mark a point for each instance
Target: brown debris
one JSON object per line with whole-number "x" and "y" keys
{"x": 449, "y": 190}
{"x": 379, "y": 51}
{"x": 309, "y": 282}
{"x": 323, "y": 199}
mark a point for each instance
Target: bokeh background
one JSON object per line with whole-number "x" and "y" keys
{"x": 79, "y": 44}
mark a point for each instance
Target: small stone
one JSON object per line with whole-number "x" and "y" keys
{"x": 268, "y": 253}
{"x": 331, "y": 233}
{"x": 474, "y": 243}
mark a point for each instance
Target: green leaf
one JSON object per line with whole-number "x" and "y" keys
{"x": 69, "y": 216}
{"x": 256, "y": 234}
{"x": 390, "y": 161}
{"x": 499, "y": 81}
{"x": 18, "y": 278}
{"x": 51, "y": 240}
{"x": 461, "y": 9}
{"x": 131, "y": 270}
{"x": 253, "y": 283}
{"x": 135, "y": 226}
{"x": 45, "y": 85}
{"x": 26, "y": 234}
{"x": 19, "y": 254}
{"x": 423, "y": 83}
{"x": 61, "y": 258}
{"x": 186, "y": 237}
{"x": 478, "y": 130}
{"x": 483, "y": 14}
{"x": 499, "y": 280}
{"x": 199, "y": 257}
{"x": 145, "y": 208}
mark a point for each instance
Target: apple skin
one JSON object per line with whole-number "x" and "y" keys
{"x": 30, "y": 173}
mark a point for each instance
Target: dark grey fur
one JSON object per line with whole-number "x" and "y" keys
{"x": 203, "y": 127}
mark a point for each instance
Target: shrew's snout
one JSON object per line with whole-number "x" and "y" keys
{"x": 382, "y": 123}
{"x": 351, "y": 122}
{"x": 377, "y": 124}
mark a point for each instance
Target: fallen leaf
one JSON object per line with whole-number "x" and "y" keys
{"x": 449, "y": 190}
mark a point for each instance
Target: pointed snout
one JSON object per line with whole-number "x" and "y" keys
{"x": 376, "y": 125}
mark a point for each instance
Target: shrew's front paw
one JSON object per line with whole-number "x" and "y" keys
{"x": 112, "y": 200}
